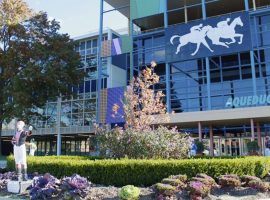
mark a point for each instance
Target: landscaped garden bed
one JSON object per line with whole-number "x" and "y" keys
{"x": 201, "y": 186}
{"x": 142, "y": 172}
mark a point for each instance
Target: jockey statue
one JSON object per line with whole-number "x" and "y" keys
{"x": 18, "y": 142}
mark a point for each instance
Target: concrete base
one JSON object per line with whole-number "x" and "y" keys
{"x": 18, "y": 187}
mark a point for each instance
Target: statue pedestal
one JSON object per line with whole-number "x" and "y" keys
{"x": 18, "y": 187}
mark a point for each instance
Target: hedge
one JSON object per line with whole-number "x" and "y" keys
{"x": 142, "y": 172}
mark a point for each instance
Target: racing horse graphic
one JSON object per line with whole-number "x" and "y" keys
{"x": 198, "y": 35}
{"x": 226, "y": 32}
{"x": 195, "y": 37}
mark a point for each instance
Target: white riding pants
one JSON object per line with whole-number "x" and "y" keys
{"x": 20, "y": 154}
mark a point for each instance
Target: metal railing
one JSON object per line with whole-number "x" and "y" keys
{"x": 52, "y": 131}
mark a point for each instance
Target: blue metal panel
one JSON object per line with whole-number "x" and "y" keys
{"x": 210, "y": 37}
{"x": 115, "y": 96}
{"x": 120, "y": 61}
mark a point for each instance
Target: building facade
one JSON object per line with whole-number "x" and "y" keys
{"x": 73, "y": 119}
{"x": 213, "y": 59}
{"x": 214, "y": 62}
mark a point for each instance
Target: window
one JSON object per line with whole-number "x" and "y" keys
{"x": 188, "y": 88}
{"x": 259, "y": 3}
{"x": 82, "y": 46}
{"x": 220, "y": 7}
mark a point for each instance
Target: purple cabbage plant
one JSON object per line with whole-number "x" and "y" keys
{"x": 44, "y": 187}
{"x": 75, "y": 187}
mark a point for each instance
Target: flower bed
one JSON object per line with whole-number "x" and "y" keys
{"x": 143, "y": 172}
{"x": 174, "y": 187}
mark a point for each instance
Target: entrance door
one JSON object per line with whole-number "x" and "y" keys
{"x": 244, "y": 142}
{"x": 230, "y": 146}
{"x": 235, "y": 147}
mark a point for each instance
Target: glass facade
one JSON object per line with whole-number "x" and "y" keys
{"x": 230, "y": 75}
{"x": 207, "y": 84}
{"x": 71, "y": 145}
{"x": 79, "y": 110}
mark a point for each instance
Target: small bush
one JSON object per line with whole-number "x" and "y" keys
{"x": 231, "y": 176}
{"x": 259, "y": 185}
{"x": 253, "y": 147}
{"x": 204, "y": 181}
{"x": 246, "y": 179}
{"x": 180, "y": 177}
{"x": 152, "y": 144}
{"x": 229, "y": 181}
{"x": 200, "y": 146}
{"x": 44, "y": 187}
{"x": 198, "y": 189}
{"x": 208, "y": 179}
{"x": 174, "y": 182}
{"x": 75, "y": 187}
{"x": 129, "y": 192}
{"x": 165, "y": 189}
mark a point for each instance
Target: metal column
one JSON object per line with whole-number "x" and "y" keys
{"x": 200, "y": 131}
{"x": 252, "y": 130}
{"x": 259, "y": 135}
{"x": 99, "y": 61}
{"x": 253, "y": 70}
{"x": 58, "y": 129}
{"x": 251, "y": 53}
{"x": 131, "y": 29}
{"x": 246, "y": 5}
{"x": 168, "y": 88}
{"x": 211, "y": 140}
{"x": 208, "y": 80}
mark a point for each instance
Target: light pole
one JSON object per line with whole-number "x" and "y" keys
{"x": 99, "y": 67}
{"x": 58, "y": 125}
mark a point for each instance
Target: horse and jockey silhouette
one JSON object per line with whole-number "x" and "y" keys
{"x": 199, "y": 32}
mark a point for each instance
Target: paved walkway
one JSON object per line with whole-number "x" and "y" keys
{"x": 10, "y": 197}
{"x": 15, "y": 197}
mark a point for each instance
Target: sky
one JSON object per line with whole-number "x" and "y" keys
{"x": 78, "y": 17}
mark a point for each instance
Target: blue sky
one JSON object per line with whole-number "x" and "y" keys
{"x": 78, "y": 16}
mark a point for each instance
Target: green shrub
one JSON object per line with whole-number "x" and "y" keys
{"x": 259, "y": 185}
{"x": 143, "y": 172}
{"x": 154, "y": 143}
{"x": 129, "y": 192}
{"x": 200, "y": 146}
{"x": 253, "y": 147}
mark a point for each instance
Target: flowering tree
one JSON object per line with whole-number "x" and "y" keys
{"x": 143, "y": 107}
